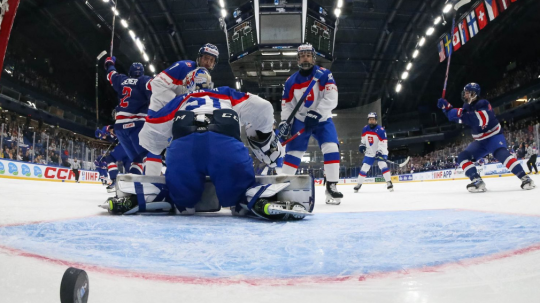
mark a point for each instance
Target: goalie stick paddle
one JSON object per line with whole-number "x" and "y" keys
{"x": 316, "y": 77}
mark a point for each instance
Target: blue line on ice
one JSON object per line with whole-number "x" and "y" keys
{"x": 339, "y": 244}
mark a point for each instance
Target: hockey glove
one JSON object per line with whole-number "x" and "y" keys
{"x": 268, "y": 150}
{"x": 443, "y": 104}
{"x": 379, "y": 155}
{"x": 362, "y": 148}
{"x": 109, "y": 61}
{"x": 284, "y": 130}
{"x": 312, "y": 120}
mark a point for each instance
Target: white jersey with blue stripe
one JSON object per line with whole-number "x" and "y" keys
{"x": 375, "y": 140}
{"x": 251, "y": 109}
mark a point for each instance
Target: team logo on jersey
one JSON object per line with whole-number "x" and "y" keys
{"x": 188, "y": 64}
{"x": 309, "y": 99}
{"x": 370, "y": 140}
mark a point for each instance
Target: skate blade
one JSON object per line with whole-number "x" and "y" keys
{"x": 356, "y": 191}
{"x": 390, "y": 189}
{"x": 111, "y": 190}
{"x": 474, "y": 190}
{"x": 104, "y": 206}
{"x": 529, "y": 187}
{"x": 333, "y": 201}
{"x": 291, "y": 212}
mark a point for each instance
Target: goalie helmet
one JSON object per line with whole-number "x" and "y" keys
{"x": 136, "y": 70}
{"x": 303, "y": 49}
{"x": 208, "y": 49}
{"x": 197, "y": 79}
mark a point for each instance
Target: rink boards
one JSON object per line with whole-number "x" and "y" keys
{"x": 22, "y": 170}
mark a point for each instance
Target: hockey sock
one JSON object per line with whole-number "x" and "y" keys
{"x": 331, "y": 161}
{"x": 152, "y": 165}
{"x": 291, "y": 161}
{"x": 136, "y": 168}
{"x": 113, "y": 170}
{"x": 511, "y": 163}
{"x": 363, "y": 173}
{"x": 385, "y": 171}
{"x": 466, "y": 164}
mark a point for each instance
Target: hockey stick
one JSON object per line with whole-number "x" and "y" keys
{"x": 316, "y": 77}
{"x": 103, "y": 53}
{"x": 457, "y": 6}
{"x": 391, "y": 162}
{"x": 113, "y": 19}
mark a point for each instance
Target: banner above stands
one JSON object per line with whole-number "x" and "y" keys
{"x": 470, "y": 24}
{"x": 22, "y": 170}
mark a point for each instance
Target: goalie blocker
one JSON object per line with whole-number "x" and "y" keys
{"x": 275, "y": 198}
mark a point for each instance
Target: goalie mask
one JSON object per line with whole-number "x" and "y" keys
{"x": 197, "y": 79}
{"x": 306, "y": 56}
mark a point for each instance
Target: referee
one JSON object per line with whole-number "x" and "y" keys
{"x": 75, "y": 166}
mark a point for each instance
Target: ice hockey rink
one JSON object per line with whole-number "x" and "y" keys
{"x": 424, "y": 242}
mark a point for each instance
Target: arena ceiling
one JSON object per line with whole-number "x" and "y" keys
{"x": 374, "y": 42}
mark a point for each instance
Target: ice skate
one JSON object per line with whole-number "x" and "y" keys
{"x": 389, "y": 186}
{"x": 119, "y": 206}
{"x": 333, "y": 196}
{"x": 280, "y": 210}
{"x": 112, "y": 188}
{"x": 357, "y": 187}
{"x": 527, "y": 183}
{"x": 477, "y": 186}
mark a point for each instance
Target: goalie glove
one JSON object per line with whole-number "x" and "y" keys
{"x": 268, "y": 150}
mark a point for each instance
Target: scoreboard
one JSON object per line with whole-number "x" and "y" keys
{"x": 241, "y": 32}
{"x": 320, "y": 30}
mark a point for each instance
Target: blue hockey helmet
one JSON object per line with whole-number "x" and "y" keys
{"x": 136, "y": 70}
{"x": 372, "y": 115}
{"x": 306, "y": 48}
{"x": 208, "y": 49}
{"x": 471, "y": 88}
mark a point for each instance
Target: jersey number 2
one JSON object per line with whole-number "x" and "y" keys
{"x": 126, "y": 92}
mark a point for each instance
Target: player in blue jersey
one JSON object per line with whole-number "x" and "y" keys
{"x": 116, "y": 154}
{"x": 488, "y": 135}
{"x": 315, "y": 116}
{"x": 204, "y": 126}
{"x": 374, "y": 145}
{"x": 134, "y": 92}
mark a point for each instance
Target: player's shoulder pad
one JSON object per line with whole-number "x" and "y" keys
{"x": 483, "y": 104}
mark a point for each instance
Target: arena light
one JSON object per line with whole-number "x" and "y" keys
{"x": 223, "y": 13}
{"x": 222, "y": 3}
{"x": 337, "y": 12}
{"x": 115, "y": 11}
{"x": 398, "y": 87}
{"x": 422, "y": 41}
{"x": 437, "y": 20}
{"x": 270, "y": 54}
{"x": 152, "y": 68}
{"x": 124, "y": 23}
{"x": 238, "y": 85}
{"x": 340, "y": 3}
{"x": 447, "y": 8}
{"x": 132, "y": 34}
{"x": 289, "y": 53}
{"x": 409, "y": 66}
{"x": 404, "y": 75}
{"x": 145, "y": 56}
{"x": 415, "y": 54}
{"x": 139, "y": 45}
{"x": 105, "y": 0}
{"x": 430, "y": 31}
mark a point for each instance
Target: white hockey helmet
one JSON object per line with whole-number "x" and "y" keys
{"x": 306, "y": 48}
{"x": 197, "y": 79}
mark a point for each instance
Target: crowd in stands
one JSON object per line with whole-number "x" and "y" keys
{"x": 514, "y": 79}
{"x": 53, "y": 146}
{"x": 17, "y": 68}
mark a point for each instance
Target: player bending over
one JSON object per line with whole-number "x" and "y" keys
{"x": 374, "y": 146}
{"x": 205, "y": 131}
{"x": 488, "y": 135}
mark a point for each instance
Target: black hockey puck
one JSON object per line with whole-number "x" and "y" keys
{"x": 74, "y": 287}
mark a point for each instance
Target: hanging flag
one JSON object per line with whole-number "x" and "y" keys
{"x": 463, "y": 31}
{"x": 448, "y": 44}
{"x": 492, "y": 10}
{"x": 513, "y": 0}
{"x": 503, "y": 5}
{"x": 472, "y": 24}
{"x": 440, "y": 46}
{"x": 480, "y": 11}
{"x": 7, "y": 16}
{"x": 456, "y": 41}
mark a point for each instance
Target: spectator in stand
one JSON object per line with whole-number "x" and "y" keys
{"x": 521, "y": 152}
{"x": 20, "y": 156}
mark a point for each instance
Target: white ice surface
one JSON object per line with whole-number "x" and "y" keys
{"x": 514, "y": 278}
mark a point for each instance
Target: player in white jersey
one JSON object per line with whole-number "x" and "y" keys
{"x": 315, "y": 117}
{"x": 374, "y": 146}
